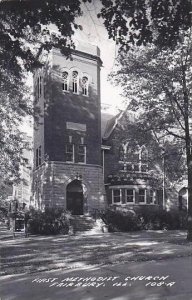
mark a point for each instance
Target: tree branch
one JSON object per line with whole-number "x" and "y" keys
{"x": 174, "y": 111}
{"x": 174, "y": 134}
{"x": 175, "y": 99}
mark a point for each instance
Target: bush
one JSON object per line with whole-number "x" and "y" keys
{"x": 161, "y": 219}
{"x": 125, "y": 219}
{"x": 118, "y": 220}
{"x": 49, "y": 222}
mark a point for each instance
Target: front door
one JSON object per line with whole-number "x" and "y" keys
{"x": 75, "y": 197}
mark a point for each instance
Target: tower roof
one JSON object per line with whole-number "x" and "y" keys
{"x": 87, "y": 48}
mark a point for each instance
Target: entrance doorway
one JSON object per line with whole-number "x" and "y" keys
{"x": 75, "y": 197}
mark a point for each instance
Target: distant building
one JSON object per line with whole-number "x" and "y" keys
{"x": 22, "y": 190}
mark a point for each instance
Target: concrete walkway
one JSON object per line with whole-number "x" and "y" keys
{"x": 38, "y": 253}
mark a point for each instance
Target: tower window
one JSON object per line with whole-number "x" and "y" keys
{"x": 85, "y": 86}
{"x": 38, "y": 156}
{"x": 39, "y": 86}
{"x": 81, "y": 158}
{"x": 65, "y": 84}
{"x": 75, "y": 82}
{"x": 69, "y": 152}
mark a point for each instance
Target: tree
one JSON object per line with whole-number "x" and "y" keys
{"x": 158, "y": 83}
{"x": 146, "y": 21}
{"x": 25, "y": 31}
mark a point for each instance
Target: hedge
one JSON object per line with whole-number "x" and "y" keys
{"x": 143, "y": 219}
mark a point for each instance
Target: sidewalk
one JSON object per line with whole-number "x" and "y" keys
{"x": 41, "y": 253}
{"x": 161, "y": 280}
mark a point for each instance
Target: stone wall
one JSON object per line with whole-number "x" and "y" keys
{"x": 52, "y": 179}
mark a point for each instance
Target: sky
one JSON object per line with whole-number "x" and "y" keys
{"x": 95, "y": 33}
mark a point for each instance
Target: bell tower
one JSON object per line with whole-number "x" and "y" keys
{"x": 67, "y": 136}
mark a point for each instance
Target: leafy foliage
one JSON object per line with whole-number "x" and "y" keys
{"x": 158, "y": 83}
{"x": 26, "y": 29}
{"x": 142, "y": 22}
{"x": 51, "y": 221}
{"x": 143, "y": 219}
{"x": 118, "y": 220}
{"x": 153, "y": 80}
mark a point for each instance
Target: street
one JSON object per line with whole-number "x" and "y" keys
{"x": 148, "y": 265}
{"x": 152, "y": 280}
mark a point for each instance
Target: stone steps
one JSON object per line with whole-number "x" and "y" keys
{"x": 82, "y": 223}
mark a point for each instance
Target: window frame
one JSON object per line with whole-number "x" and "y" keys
{"x": 132, "y": 160}
{"x": 128, "y": 202}
{"x": 38, "y": 156}
{"x": 65, "y": 81}
{"x": 67, "y": 152}
{"x": 85, "y": 86}
{"x": 143, "y": 162}
{"x": 153, "y": 196}
{"x": 39, "y": 86}
{"x": 145, "y": 196}
{"x": 75, "y": 83}
{"x": 84, "y": 154}
{"x": 120, "y": 195}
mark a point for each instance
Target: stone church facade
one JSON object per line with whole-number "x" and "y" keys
{"x": 134, "y": 167}
{"x": 67, "y": 134}
{"x": 133, "y": 180}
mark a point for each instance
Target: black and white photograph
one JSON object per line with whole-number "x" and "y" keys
{"x": 95, "y": 149}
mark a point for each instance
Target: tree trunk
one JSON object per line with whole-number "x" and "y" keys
{"x": 188, "y": 152}
{"x": 189, "y": 216}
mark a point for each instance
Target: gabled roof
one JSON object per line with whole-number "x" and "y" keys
{"x": 105, "y": 118}
{"x": 109, "y": 123}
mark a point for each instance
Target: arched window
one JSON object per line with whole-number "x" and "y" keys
{"x": 75, "y": 82}
{"x": 143, "y": 159}
{"x": 134, "y": 157}
{"x": 65, "y": 84}
{"x": 144, "y": 154}
{"x": 39, "y": 86}
{"x": 85, "y": 86}
{"x": 121, "y": 153}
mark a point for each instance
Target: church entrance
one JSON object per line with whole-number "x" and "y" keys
{"x": 75, "y": 197}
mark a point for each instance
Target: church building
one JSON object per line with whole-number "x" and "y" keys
{"x": 82, "y": 163}
{"x": 67, "y": 133}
